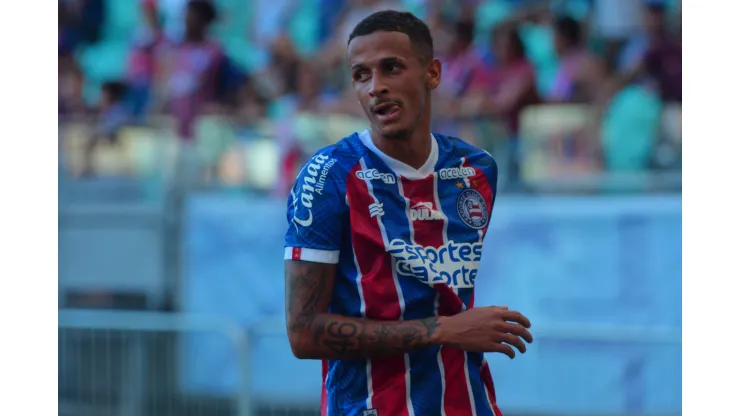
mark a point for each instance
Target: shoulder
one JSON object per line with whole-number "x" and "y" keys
{"x": 335, "y": 161}
{"x": 454, "y": 147}
{"x": 318, "y": 193}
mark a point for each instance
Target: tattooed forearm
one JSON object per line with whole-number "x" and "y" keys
{"x": 307, "y": 292}
{"x": 315, "y": 333}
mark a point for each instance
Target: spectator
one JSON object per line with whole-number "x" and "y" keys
{"x": 463, "y": 66}
{"x": 514, "y": 88}
{"x": 569, "y": 48}
{"x": 80, "y": 22}
{"x": 614, "y": 22}
{"x": 114, "y": 114}
{"x": 654, "y": 55}
{"x": 71, "y": 81}
{"x": 191, "y": 69}
{"x": 142, "y": 61}
{"x": 282, "y": 72}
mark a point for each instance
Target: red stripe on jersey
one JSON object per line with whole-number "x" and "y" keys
{"x": 480, "y": 183}
{"x": 296, "y": 253}
{"x": 429, "y": 232}
{"x": 324, "y": 395}
{"x": 485, "y": 375}
{"x": 382, "y": 302}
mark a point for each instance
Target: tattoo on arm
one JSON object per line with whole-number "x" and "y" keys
{"x": 322, "y": 335}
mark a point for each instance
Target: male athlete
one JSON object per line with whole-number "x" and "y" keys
{"x": 385, "y": 236}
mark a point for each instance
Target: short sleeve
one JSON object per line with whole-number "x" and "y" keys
{"x": 316, "y": 212}
{"x": 491, "y": 171}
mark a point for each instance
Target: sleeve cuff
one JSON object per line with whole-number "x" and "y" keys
{"x": 311, "y": 254}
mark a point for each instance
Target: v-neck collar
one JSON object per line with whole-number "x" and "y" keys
{"x": 399, "y": 167}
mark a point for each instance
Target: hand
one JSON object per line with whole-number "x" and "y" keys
{"x": 486, "y": 329}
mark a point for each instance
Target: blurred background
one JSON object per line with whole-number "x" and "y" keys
{"x": 181, "y": 128}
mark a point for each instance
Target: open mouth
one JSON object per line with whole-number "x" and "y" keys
{"x": 387, "y": 111}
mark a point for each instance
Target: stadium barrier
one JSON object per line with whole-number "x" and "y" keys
{"x": 126, "y": 364}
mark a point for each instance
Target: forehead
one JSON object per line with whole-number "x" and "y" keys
{"x": 370, "y": 49}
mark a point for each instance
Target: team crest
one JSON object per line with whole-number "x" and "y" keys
{"x": 472, "y": 209}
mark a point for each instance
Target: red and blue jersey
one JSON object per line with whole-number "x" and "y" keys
{"x": 407, "y": 243}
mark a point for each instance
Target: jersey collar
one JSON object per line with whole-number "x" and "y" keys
{"x": 399, "y": 167}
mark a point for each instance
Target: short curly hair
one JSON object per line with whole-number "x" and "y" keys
{"x": 395, "y": 21}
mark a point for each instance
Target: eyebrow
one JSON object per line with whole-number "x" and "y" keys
{"x": 383, "y": 61}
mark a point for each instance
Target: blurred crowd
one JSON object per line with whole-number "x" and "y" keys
{"x": 275, "y": 68}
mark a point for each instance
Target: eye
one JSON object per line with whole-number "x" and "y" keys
{"x": 393, "y": 67}
{"x": 361, "y": 76}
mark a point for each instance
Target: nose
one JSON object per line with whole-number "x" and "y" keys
{"x": 378, "y": 86}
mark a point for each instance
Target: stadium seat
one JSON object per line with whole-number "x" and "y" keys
{"x": 488, "y": 15}
{"x": 538, "y": 41}
{"x": 234, "y": 17}
{"x": 72, "y": 140}
{"x": 671, "y": 123}
{"x": 213, "y": 136}
{"x": 630, "y": 128}
{"x": 262, "y": 161}
{"x": 244, "y": 53}
{"x": 122, "y": 18}
{"x": 338, "y": 126}
{"x": 101, "y": 62}
{"x": 303, "y": 27}
{"x": 541, "y": 126}
{"x": 143, "y": 149}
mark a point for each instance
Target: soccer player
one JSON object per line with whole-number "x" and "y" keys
{"x": 385, "y": 236}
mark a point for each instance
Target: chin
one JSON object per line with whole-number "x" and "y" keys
{"x": 393, "y": 132}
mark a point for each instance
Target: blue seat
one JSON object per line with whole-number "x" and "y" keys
{"x": 630, "y": 128}
{"x": 122, "y": 18}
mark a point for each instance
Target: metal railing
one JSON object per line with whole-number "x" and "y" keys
{"x": 122, "y": 364}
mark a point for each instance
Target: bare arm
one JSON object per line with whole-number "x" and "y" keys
{"x": 316, "y": 334}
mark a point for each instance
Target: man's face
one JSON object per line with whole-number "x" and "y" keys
{"x": 194, "y": 22}
{"x": 391, "y": 81}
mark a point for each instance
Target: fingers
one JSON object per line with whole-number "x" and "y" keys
{"x": 504, "y": 349}
{"x": 514, "y": 316}
{"x": 514, "y": 341}
{"x": 518, "y": 330}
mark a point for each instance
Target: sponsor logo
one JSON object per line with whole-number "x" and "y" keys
{"x": 456, "y": 173}
{"x": 472, "y": 209}
{"x": 371, "y": 174}
{"x": 423, "y": 211}
{"x": 376, "y": 210}
{"x": 454, "y": 264}
{"x": 314, "y": 181}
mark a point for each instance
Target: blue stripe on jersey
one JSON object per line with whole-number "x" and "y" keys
{"x": 425, "y": 377}
{"x": 346, "y": 298}
{"x": 448, "y": 190}
{"x": 347, "y": 377}
{"x": 482, "y": 405}
{"x": 426, "y": 381}
{"x": 396, "y": 223}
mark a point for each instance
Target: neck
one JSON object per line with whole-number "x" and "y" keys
{"x": 412, "y": 150}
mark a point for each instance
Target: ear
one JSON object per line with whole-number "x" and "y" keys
{"x": 433, "y": 74}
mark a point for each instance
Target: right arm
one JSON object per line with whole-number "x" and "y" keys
{"x": 315, "y": 333}
{"x": 313, "y": 244}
